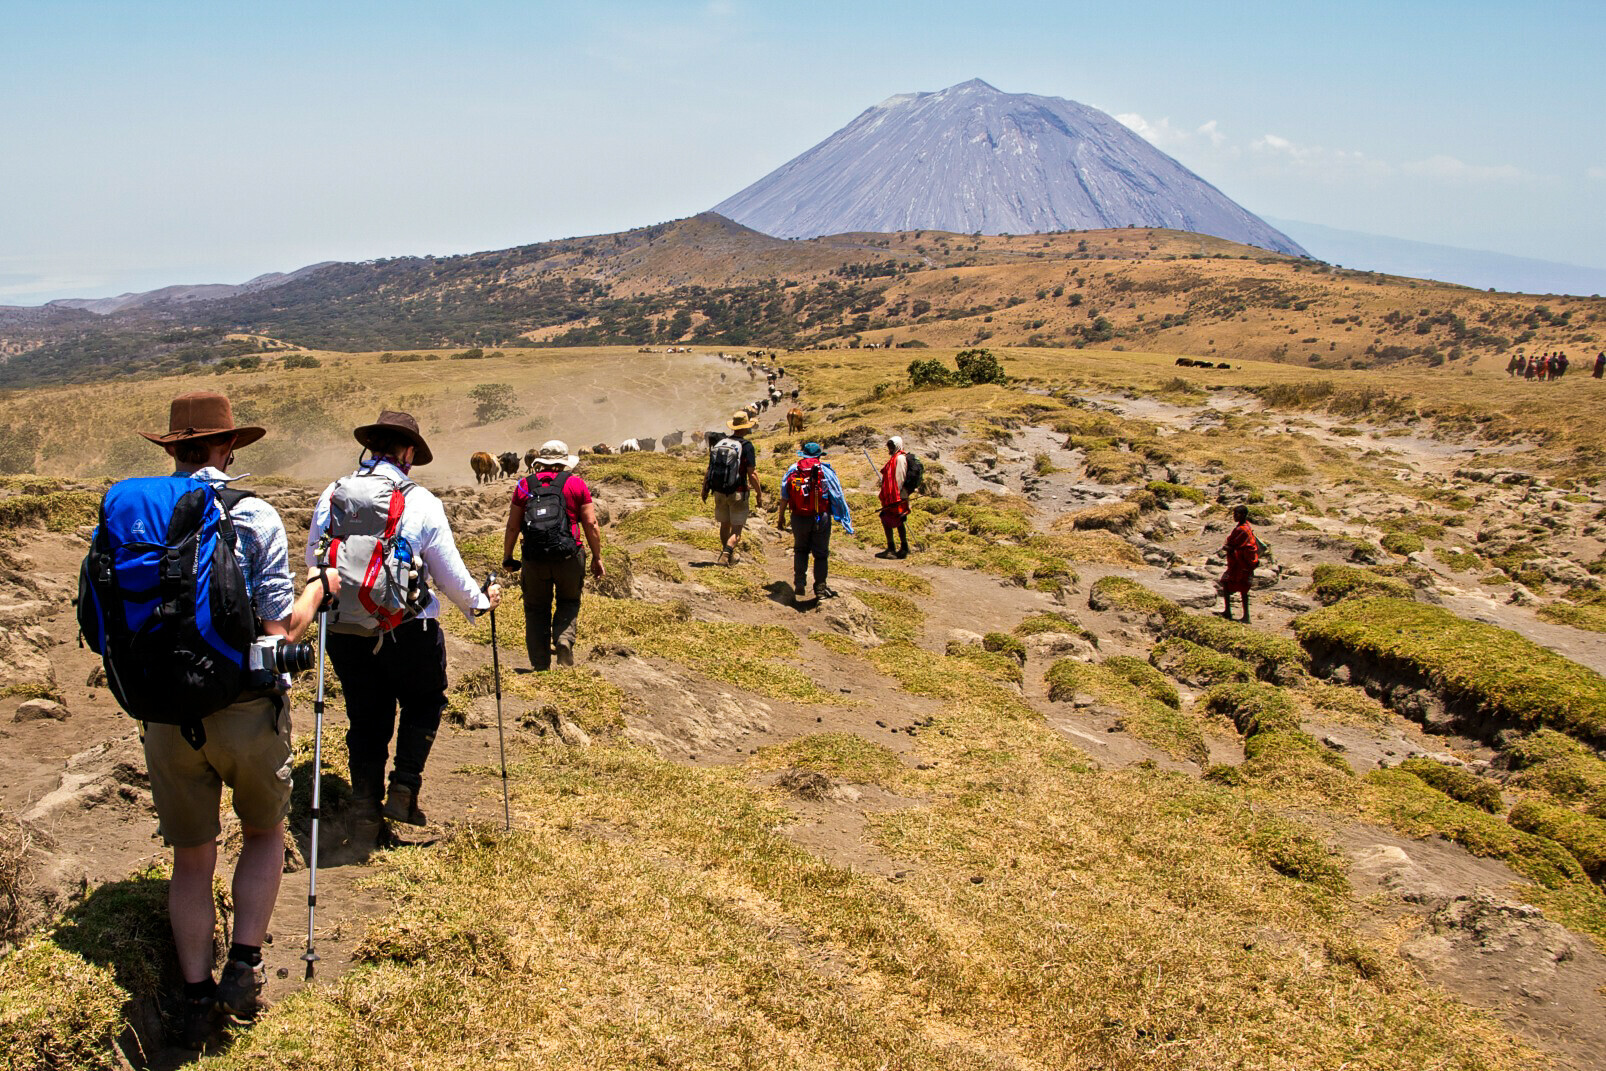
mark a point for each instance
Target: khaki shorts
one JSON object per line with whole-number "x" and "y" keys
{"x": 731, "y": 509}
{"x": 247, "y": 748}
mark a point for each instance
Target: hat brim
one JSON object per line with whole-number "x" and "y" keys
{"x": 734, "y": 425}
{"x": 242, "y": 436}
{"x": 568, "y": 461}
{"x": 421, "y": 452}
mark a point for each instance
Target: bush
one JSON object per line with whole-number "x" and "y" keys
{"x": 929, "y": 372}
{"x": 301, "y": 360}
{"x": 494, "y": 401}
{"x": 979, "y": 366}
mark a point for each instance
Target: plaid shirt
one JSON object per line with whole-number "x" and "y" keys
{"x": 262, "y": 549}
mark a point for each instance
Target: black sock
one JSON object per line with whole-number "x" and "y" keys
{"x": 200, "y": 990}
{"x": 251, "y": 954}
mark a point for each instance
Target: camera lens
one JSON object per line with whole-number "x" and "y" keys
{"x": 293, "y": 657}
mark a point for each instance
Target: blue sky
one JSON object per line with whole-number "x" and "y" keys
{"x": 155, "y": 142}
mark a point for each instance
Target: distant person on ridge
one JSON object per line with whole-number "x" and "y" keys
{"x": 894, "y": 497}
{"x": 733, "y": 472}
{"x": 399, "y": 661}
{"x": 551, "y": 507}
{"x": 1243, "y": 555}
{"x": 1600, "y": 365}
{"x": 811, "y": 491}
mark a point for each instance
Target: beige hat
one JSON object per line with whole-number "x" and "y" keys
{"x": 556, "y": 452}
{"x": 740, "y": 421}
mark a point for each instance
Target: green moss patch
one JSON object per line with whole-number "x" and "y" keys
{"x": 1125, "y": 594}
{"x": 1557, "y": 764}
{"x": 57, "y": 1010}
{"x": 1145, "y": 678}
{"x": 1492, "y": 670}
{"x": 1273, "y": 657}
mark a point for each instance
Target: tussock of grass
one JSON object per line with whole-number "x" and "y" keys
{"x": 997, "y": 665}
{"x": 1496, "y": 671}
{"x": 1590, "y": 618}
{"x": 57, "y": 1010}
{"x": 1052, "y": 622}
{"x": 1414, "y": 807}
{"x": 1200, "y": 666}
{"x": 1111, "y": 466}
{"x": 1170, "y": 492}
{"x": 745, "y": 582}
{"x": 578, "y": 693}
{"x": 1273, "y": 657}
{"x": 1580, "y": 834}
{"x": 57, "y": 511}
{"x": 1103, "y": 548}
{"x": 654, "y": 473}
{"x": 662, "y": 519}
{"x": 1555, "y": 763}
{"x": 1145, "y": 678}
{"x": 1292, "y": 765}
{"x": 655, "y": 561}
{"x": 843, "y": 756}
{"x": 1344, "y": 704}
{"x": 1402, "y": 543}
{"x": 1143, "y": 714}
{"x": 1293, "y": 850}
{"x": 1005, "y": 644}
{"x": 1332, "y": 583}
{"x": 1253, "y": 707}
{"x": 1107, "y": 516}
{"x": 896, "y": 617}
{"x": 1457, "y": 783}
{"x": 899, "y": 580}
{"x": 1126, "y": 594}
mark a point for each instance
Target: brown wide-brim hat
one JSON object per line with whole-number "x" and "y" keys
{"x": 395, "y": 423}
{"x": 199, "y": 414}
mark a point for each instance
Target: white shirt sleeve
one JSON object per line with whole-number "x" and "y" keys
{"x": 439, "y": 551}
{"x": 320, "y": 521}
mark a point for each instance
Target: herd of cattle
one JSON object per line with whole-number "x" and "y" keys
{"x": 490, "y": 467}
{"x": 1189, "y": 362}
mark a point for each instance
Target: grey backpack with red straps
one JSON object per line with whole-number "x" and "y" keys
{"x": 383, "y": 582}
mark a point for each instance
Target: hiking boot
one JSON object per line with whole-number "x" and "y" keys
{"x": 888, "y": 553}
{"x": 903, "y": 552}
{"x": 823, "y": 592}
{"x": 565, "y": 655}
{"x": 366, "y": 825}
{"x": 401, "y": 805}
{"x": 197, "y": 1023}
{"x": 239, "y": 988}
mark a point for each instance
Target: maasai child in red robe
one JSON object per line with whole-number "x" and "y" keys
{"x": 894, "y": 503}
{"x": 1243, "y": 554}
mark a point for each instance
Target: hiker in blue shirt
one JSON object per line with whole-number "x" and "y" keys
{"x": 811, "y": 490}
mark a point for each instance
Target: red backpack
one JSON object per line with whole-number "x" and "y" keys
{"x": 805, "y": 488}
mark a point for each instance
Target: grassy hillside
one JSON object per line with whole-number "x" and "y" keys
{"x": 708, "y": 281}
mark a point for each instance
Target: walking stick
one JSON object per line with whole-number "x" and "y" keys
{"x": 311, "y": 955}
{"x": 501, "y": 747}
{"x": 869, "y": 462}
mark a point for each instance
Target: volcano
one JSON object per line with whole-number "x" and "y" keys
{"x": 971, "y": 158}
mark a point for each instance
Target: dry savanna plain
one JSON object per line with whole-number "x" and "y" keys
{"x": 1021, "y": 800}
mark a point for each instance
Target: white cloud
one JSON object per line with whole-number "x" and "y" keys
{"x": 1452, "y": 169}
{"x": 1316, "y": 160}
{"x": 1162, "y": 133}
{"x": 1596, "y": 173}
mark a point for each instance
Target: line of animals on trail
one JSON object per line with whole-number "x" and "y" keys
{"x": 489, "y": 468}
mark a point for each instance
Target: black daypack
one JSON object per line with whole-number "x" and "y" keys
{"x": 548, "y": 528}
{"x": 914, "y": 472}
{"x": 163, "y": 600}
{"x": 725, "y": 466}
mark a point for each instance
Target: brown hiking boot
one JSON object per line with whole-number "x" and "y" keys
{"x": 239, "y": 988}
{"x": 565, "y": 655}
{"x": 198, "y": 1023}
{"x": 401, "y": 805}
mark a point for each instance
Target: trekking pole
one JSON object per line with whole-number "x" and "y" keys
{"x": 311, "y": 955}
{"x": 501, "y": 747}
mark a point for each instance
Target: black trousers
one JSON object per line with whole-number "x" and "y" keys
{"x": 811, "y": 534}
{"x": 544, "y": 628}
{"x": 408, "y": 670}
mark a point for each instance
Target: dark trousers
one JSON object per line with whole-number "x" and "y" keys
{"x": 811, "y": 534}
{"x": 541, "y": 581}
{"x": 408, "y": 669}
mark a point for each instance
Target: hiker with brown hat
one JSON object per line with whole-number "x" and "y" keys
{"x": 205, "y": 722}
{"x": 551, "y": 508}
{"x": 392, "y": 540}
{"x": 732, "y": 473}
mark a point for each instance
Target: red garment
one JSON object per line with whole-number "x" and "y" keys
{"x": 894, "y": 507}
{"x": 575, "y": 495}
{"x": 1241, "y": 557}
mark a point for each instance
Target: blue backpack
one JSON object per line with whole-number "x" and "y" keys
{"x": 163, "y": 601}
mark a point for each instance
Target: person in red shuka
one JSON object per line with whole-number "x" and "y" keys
{"x": 1243, "y": 554}
{"x": 894, "y": 500}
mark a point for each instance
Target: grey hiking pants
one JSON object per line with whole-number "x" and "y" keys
{"x": 544, "y": 628}
{"x": 811, "y": 534}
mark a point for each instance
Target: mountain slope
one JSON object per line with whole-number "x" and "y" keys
{"x": 973, "y": 159}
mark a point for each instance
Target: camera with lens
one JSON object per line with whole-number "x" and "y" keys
{"x": 270, "y": 656}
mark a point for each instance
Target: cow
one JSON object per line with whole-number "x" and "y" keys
{"x": 602, "y": 448}
{"x": 775, "y": 395}
{"x": 529, "y": 458}
{"x": 794, "y": 419}
{"x": 672, "y": 439}
{"x": 1225, "y": 365}
{"x": 649, "y": 445}
{"x": 629, "y": 446}
{"x": 510, "y": 463}
{"x": 711, "y": 438}
{"x": 794, "y": 393}
{"x": 484, "y": 466}
{"x": 763, "y": 403}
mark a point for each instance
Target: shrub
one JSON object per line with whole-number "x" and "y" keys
{"x": 1457, "y": 783}
{"x": 929, "y": 372}
{"x": 494, "y": 401}
{"x": 979, "y": 366}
